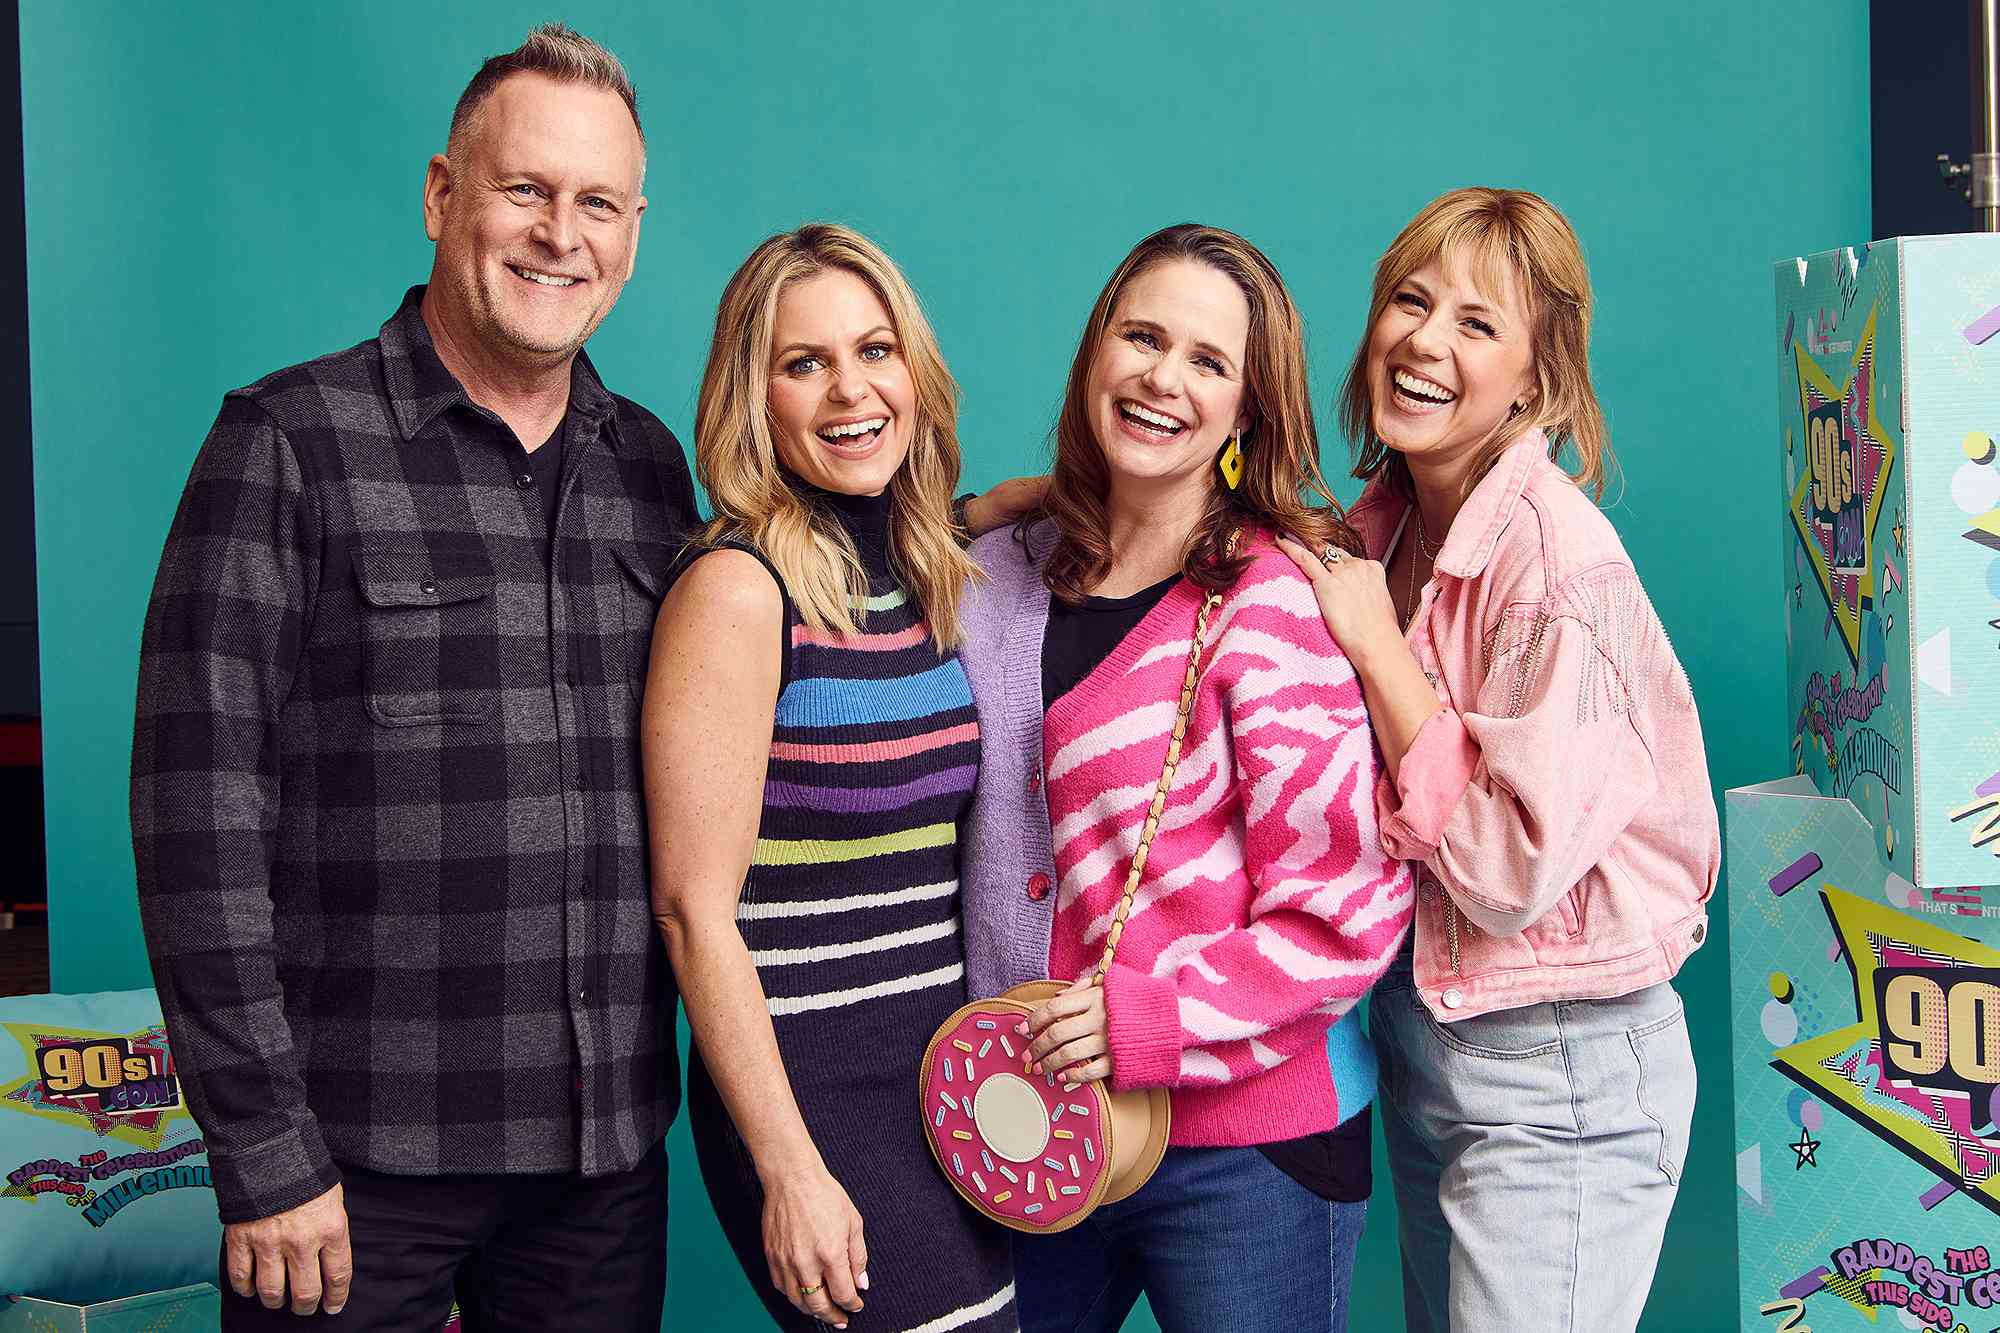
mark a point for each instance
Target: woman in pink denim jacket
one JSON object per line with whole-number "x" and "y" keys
{"x": 1543, "y": 764}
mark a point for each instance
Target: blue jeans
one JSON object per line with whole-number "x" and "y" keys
{"x": 1536, "y": 1154}
{"x": 1218, "y": 1239}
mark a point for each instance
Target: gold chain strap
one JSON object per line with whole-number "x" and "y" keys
{"x": 1152, "y": 824}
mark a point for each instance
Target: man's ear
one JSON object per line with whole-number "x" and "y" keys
{"x": 638, "y": 216}
{"x": 437, "y": 189}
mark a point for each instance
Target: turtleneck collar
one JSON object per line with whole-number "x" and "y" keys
{"x": 865, "y": 517}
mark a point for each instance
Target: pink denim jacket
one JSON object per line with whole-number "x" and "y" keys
{"x": 1559, "y": 803}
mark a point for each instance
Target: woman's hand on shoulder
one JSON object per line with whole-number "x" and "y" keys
{"x": 1004, "y": 504}
{"x": 1354, "y": 601}
{"x": 1070, "y": 1033}
{"x": 813, "y": 1245}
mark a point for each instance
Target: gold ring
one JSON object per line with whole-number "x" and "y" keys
{"x": 807, "y": 1291}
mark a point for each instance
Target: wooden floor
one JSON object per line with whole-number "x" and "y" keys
{"x": 24, "y": 961}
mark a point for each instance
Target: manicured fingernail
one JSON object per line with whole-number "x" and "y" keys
{"x": 862, "y": 1281}
{"x": 1021, "y": 1029}
{"x": 335, "y": 1309}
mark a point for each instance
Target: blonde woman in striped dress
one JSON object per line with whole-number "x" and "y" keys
{"x": 810, "y": 744}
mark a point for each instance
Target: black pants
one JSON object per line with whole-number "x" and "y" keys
{"x": 518, "y": 1253}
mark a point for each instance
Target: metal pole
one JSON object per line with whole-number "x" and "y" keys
{"x": 1986, "y": 112}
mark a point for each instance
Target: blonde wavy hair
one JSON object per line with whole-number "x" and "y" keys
{"x": 1280, "y": 444}
{"x": 736, "y": 456}
{"x": 1497, "y": 234}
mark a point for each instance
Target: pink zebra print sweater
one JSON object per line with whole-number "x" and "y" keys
{"x": 1268, "y": 906}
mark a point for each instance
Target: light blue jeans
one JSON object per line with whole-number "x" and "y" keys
{"x": 1536, "y": 1153}
{"x": 1219, "y": 1239}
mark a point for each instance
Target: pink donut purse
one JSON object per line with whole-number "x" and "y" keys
{"x": 1036, "y": 1153}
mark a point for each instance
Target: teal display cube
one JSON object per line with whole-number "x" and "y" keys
{"x": 1888, "y": 411}
{"x": 195, "y": 1309}
{"x": 1866, "y": 1019}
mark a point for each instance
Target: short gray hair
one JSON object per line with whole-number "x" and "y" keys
{"x": 556, "y": 51}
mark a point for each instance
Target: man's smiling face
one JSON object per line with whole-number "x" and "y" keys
{"x": 536, "y": 218}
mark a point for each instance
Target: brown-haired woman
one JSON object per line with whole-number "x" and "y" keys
{"x": 1546, "y": 771}
{"x": 1267, "y": 905}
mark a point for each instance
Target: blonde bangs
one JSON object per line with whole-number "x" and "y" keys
{"x": 1501, "y": 238}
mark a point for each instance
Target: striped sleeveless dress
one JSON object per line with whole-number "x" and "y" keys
{"x": 851, "y": 913}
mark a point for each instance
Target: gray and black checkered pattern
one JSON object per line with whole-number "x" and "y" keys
{"x": 385, "y": 781}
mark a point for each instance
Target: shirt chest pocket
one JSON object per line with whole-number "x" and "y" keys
{"x": 640, "y": 587}
{"x": 430, "y": 651}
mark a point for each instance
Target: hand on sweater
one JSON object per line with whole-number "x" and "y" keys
{"x": 1071, "y": 1034}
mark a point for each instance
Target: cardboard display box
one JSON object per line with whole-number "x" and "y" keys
{"x": 1889, "y": 410}
{"x": 1866, "y": 1019}
{"x": 196, "y": 1309}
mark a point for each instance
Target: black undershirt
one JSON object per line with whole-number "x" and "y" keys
{"x": 544, "y": 467}
{"x": 1335, "y": 1164}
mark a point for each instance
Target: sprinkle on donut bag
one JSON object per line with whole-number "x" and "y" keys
{"x": 104, "y": 1184}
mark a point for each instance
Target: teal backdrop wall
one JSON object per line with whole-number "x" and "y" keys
{"x": 215, "y": 191}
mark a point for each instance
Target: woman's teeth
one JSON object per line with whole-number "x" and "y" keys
{"x": 1157, "y": 423}
{"x": 851, "y": 432}
{"x": 1429, "y": 391}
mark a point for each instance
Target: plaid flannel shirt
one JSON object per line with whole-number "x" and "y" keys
{"x": 386, "y": 802}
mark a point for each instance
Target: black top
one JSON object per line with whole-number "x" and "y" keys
{"x": 543, "y": 468}
{"x": 1335, "y": 1164}
{"x": 865, "y": 517}
{"x": 376, "y": 750}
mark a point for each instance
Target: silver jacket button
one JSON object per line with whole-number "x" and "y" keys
{"x": 1453, "y": 998}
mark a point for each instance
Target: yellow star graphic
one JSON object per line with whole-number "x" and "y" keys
{"x": 1815, "y": 383}
{"x": 1938, "y": 1117}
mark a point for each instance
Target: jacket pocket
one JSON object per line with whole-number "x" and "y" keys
{"x": 430, "y": 646}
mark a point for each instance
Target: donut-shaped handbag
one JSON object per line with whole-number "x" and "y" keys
{"x": 1034, "y": 1152}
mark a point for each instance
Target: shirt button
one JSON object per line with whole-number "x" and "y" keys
{"x": 1035, "y": 781}
{"x": 585, "y": 886}
{"x": 525, "y": 481}
{"x": 569, "y": 679}
{"x": 1700, "y": 932}
{"x": 584, "y": 995}
{"x": 1038, "y": 886}
{"x": 1453, "y": 998}
{"x": 582, "y": 783}
{"x": 427, "y": 588}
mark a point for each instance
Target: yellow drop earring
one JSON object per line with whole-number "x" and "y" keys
{"x": 1231, "y": 463}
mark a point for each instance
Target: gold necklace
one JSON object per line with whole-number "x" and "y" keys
{"x": 1423, "y": 538}
{"x": 1430, "y": 553}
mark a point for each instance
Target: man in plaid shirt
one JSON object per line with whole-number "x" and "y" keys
{"x": 385, "y": 783}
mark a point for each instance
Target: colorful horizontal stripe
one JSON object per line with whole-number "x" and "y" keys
{"x": 830, "y": 701}
{"x": 870, "y": 799}
{"x": 873, "y": 752}
{"x": 808, "y": 851}
{"x": 908, "y": 637}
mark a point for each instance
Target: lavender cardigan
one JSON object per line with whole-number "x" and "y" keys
{"x": 1007, "y": 869}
